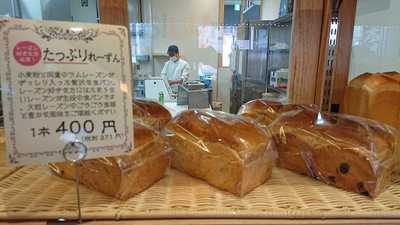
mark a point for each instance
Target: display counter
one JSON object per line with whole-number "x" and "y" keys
{"x": 218, "y": 222}
{"x": 34, "y": 193}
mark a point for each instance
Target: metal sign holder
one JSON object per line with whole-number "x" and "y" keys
{"x": 78, "y": 149}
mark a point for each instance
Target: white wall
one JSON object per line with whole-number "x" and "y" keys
{"x": 31, "y": 9}
{"x": 133, "y": 11}
{"x": 177, "y": 22}
{"x": 84, "y": 14}
{"x": 376, "y": 37}
{"x": 64, "y": 10}
{"x": 56, "y": 10}
{"x": 270, "y": 9}
{"x": 224, "y": 88}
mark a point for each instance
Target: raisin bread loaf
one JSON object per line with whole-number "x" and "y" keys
{"x": 349, "y": 152}
{"x": 123, "y": 176}
{"x": 223, "y": 149}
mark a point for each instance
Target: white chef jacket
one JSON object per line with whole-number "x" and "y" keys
{"x": 178, "y": 70}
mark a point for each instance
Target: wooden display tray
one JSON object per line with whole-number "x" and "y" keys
{"x": 218, "y": 222}
{"x": 34, "y": 193}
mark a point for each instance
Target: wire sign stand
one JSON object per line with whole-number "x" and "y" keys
{"x": 75, "y": 152}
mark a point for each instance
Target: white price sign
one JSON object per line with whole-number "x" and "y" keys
{"x": 62, "y": 83}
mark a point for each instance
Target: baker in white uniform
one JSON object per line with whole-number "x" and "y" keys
{"x": 176, "y": 70}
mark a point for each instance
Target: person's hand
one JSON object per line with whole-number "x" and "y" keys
{"x": 172, "y": 82}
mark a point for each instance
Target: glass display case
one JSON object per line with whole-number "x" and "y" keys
{"x": 225, "y": 148}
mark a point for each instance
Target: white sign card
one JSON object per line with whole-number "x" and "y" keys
{"x": 64, "y": 82}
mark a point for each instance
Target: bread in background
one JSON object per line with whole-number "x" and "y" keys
{"x": 150, "y": 114}
{"x": 375, "y": 96}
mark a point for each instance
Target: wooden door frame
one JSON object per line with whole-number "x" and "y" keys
{"x": 310, "y": 38}
{"x": 305, "y": 50}
{"x": 114, "y": 12}
{"x": 341, "y": 64}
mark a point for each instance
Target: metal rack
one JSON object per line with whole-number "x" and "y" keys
{"x": 254, "y": 65}
{"x": 280, "y": 32}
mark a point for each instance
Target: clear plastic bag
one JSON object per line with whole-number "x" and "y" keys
{"x": 264, "y": 112}
{"x": 349, "y": 152}
{"x": 223, "y": 149}
{"x": 150, "y": 113}
{"x": 126, "y": 175}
